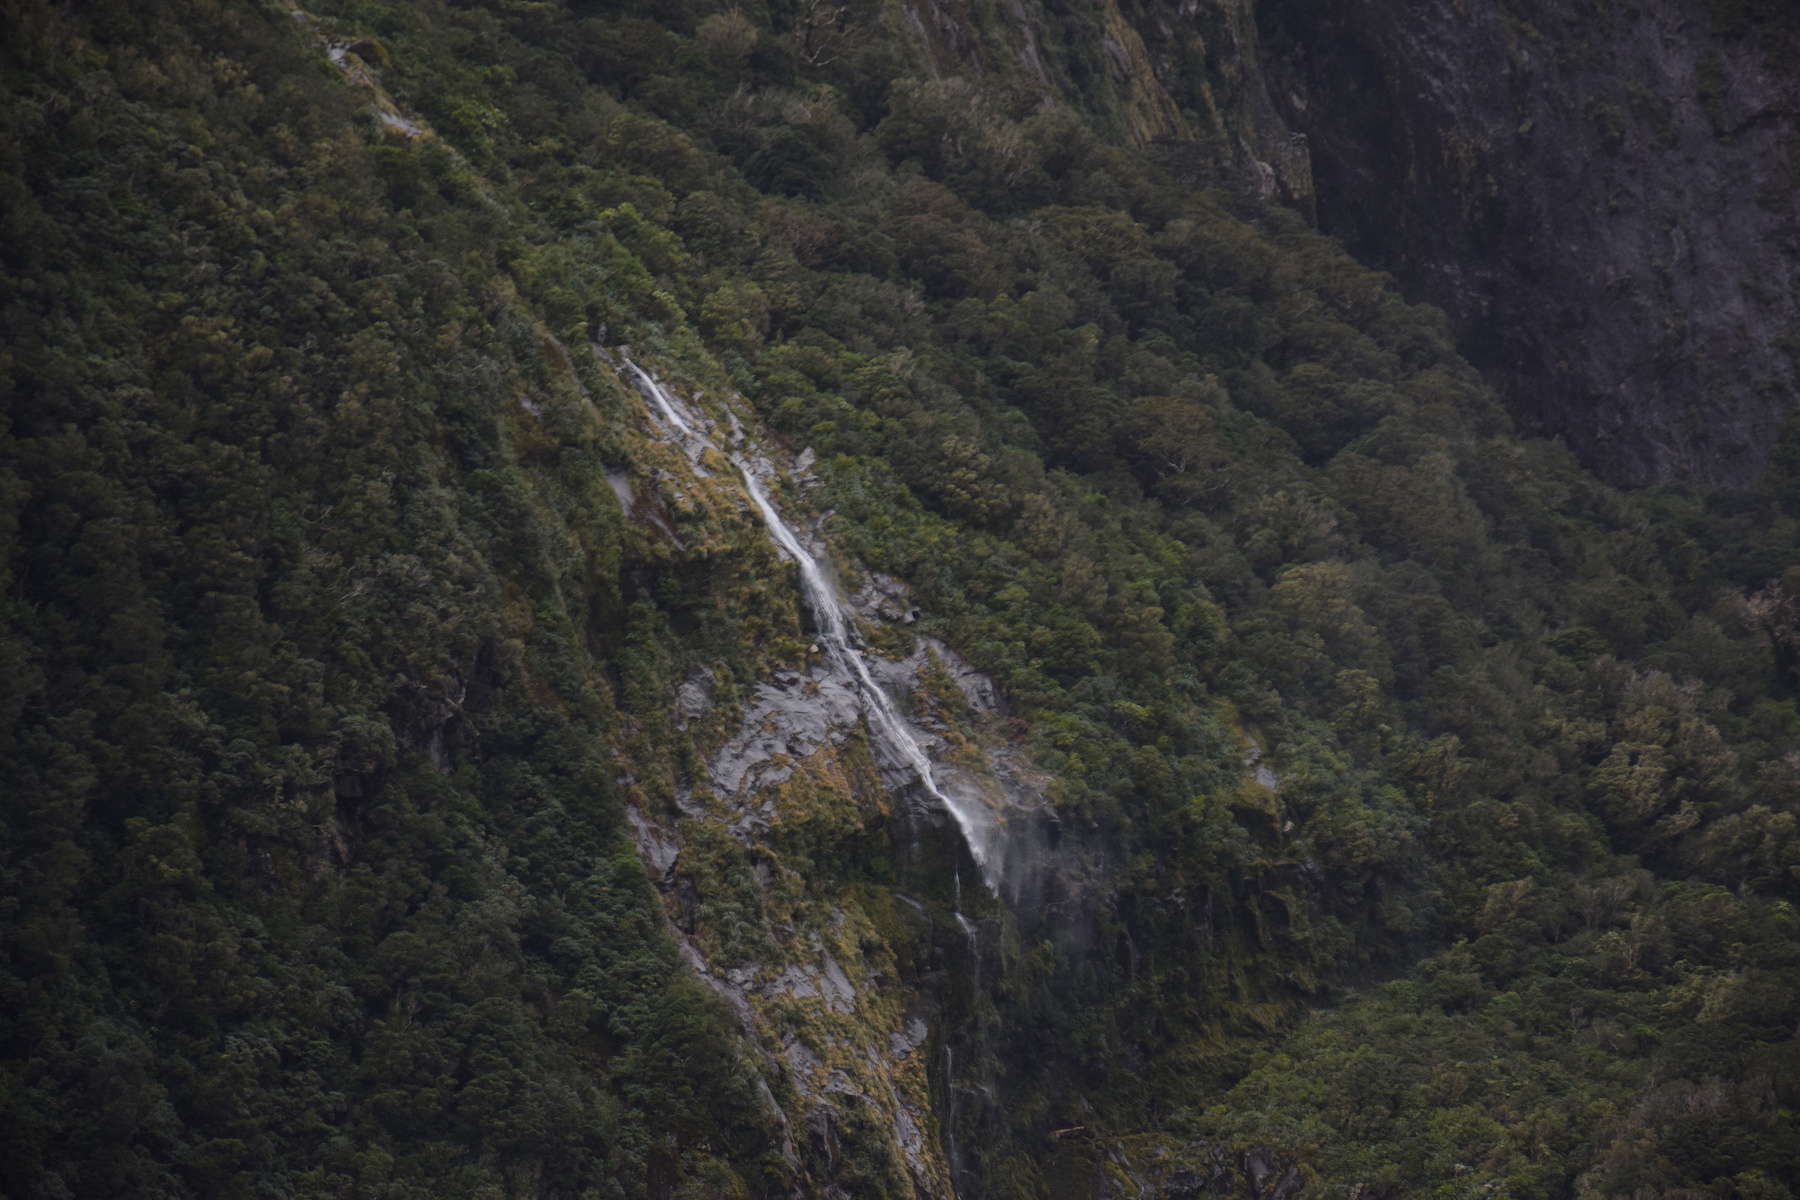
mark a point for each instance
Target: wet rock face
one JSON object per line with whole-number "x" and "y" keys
{"x": 1602, "y": 198}
{"x": 842, "y": 1037}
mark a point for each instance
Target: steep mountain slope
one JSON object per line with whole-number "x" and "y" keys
{"x": 1601, "y": 197}
{"x": 434, "y": 769}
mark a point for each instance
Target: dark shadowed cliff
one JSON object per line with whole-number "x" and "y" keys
{"x": 1601, "y": 196}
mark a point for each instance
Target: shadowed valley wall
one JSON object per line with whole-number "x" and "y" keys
{"x": 1601, "y": 196}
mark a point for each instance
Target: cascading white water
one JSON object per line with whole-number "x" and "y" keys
{"x": 662, "y": 402}
{"x": 832, "y": 615}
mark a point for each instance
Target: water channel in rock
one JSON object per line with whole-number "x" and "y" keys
{"x": 836, "y": 635}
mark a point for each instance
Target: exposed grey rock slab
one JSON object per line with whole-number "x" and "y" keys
{"x": 908, "y": 1037}
{"x": 694, "y": 696}
{"x": 790, "y": 716}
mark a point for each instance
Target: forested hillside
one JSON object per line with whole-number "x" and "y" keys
{"x": 415, "y": 780}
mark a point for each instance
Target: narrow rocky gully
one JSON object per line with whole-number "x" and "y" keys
{"x": 873, "y": 1010}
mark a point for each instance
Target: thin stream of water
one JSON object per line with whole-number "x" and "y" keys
{"x": 662, "y": 402}
{"x": 832, "y": 616}
{"x": 950, "y": 1113}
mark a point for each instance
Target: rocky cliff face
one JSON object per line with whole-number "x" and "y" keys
{"x": 1185, "y": 76}
{"x": 1602, "y": 197}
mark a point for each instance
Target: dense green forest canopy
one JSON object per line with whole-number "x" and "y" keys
{"x": 329, "y": 653}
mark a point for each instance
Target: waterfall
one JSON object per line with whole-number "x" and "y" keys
{"x": 657, "y": 396}
{"x": 835, "y": 632}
